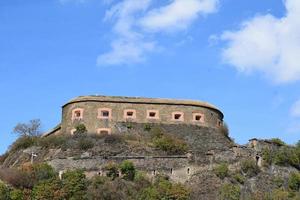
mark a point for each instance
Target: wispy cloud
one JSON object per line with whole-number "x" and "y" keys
{"x": 267, "y": 44}
{"x": 177, "y": 15}
{"x": 295, "y": 109}
{"x": 133, "y": 19}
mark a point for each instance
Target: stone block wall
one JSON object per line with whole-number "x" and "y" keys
{"x": 89, "y": 113}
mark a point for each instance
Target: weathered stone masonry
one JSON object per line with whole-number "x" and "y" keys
{"x": 101, "y": 114}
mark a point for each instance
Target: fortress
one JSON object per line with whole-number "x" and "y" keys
{"x": 101, "y": 114}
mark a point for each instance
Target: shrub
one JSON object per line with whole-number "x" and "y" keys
{"x": 74, "y": 185}
{"x": 43, "y": 171}
{"x": 147, "y": 127}
{"x": 287, "y": 155}
{"x": 168, "y": 143}
{"x": 128, "y": 170}
{"x": 112, "y": 170}
{"x": 294, "y": 181}
{"x": 23, "y": 142}
{"x": 16, "y": 194}
{"x": 278, "y": 181}
{"x": 80, "y": 130}
{"x": 239, "y": 178}
{"x": 164, "y": 189}
{"x": 3, "y": 157}
{"x": 267, "y": 157}
{"x": 4, "y": 192}
{"x": 230, "y": 192}
{"x": 85, "y": 143}
{"x": 53, "y": 141}
{"x": 277, "y": 141}
{"x": 279, "y": 194}
{"x": 48, "y": 190}
{"x": 222, "y": 170}
{"x": 16, "y": 178}
{"x": 249, "y": 167}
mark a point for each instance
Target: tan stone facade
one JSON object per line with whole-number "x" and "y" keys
{"x": 100, "y": 114}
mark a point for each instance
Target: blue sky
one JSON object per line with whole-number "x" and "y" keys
{"x": 241, "y": 56}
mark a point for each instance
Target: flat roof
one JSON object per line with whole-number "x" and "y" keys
{"x": 141, "y": 100}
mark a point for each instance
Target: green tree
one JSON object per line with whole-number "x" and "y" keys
{"x": 112, "y": 170}
{"x": 74, "y": 185}
{"x": 16, "y": 194}
{"x": 4, "y": 192}
{"x": 43, "y": 171}
{"x": 48, "y": 190}
{"x": 222, "y": 170}
{"x": 294, "y": 181}
{"x": 230, "y": 192}
{"x": 128, "y": 170}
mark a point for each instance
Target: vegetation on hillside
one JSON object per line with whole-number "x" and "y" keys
{"x": 43, "y": 184}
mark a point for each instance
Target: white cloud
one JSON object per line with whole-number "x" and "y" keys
{"x": 267, "y": 44}
{"x": 177, "y": 15}
{"x": 132, "y": 18}
{"x": 295, "y": 109}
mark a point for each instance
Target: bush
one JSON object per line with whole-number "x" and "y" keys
{"x": 48, "y": 190}
{"x": 16, "y": 195}
{"x": 267, "y": 157}
{"x": 4, "y": 192}
{"x": 168, "y": 143}
{"x": 279, "y": 194}
{"x": 164, "y": 189}
{"x": 85, "y": 144}
{"x": 23, "y": 142}
{"x": 278, "y": 181}
{"x": 249, "y": 167}
{"x": 3, "y": 157}
{"x": 112, "y": 170}
{"x": 147, "y": 127}
{"x": 287, "y": 155}
{"x": 80, "y": 131}
{"x": 222, "y": 170}
{"x": 128, "y": 170}
{"x": 230, "y": 192}
{"x": 294, "y": 181}
{"x": 239, "y": 178}
{"x": 16, "y": 178}
{"x": 277, "y": 141}
{"x": 53, "y": 141}
{"x": 42, "y": 171}
{"x": 74, "y": 185}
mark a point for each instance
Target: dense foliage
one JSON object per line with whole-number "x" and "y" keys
{"x": 46, "y": 185}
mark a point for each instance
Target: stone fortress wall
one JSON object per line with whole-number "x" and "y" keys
{"x": 101, "y": 114}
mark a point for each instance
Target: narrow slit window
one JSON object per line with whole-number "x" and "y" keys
{"x": 152, "y": 114}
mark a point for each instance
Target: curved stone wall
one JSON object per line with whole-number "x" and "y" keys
{"x": 100, "y": 114}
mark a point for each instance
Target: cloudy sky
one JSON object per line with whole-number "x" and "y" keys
{"x": 242, "y": 56}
